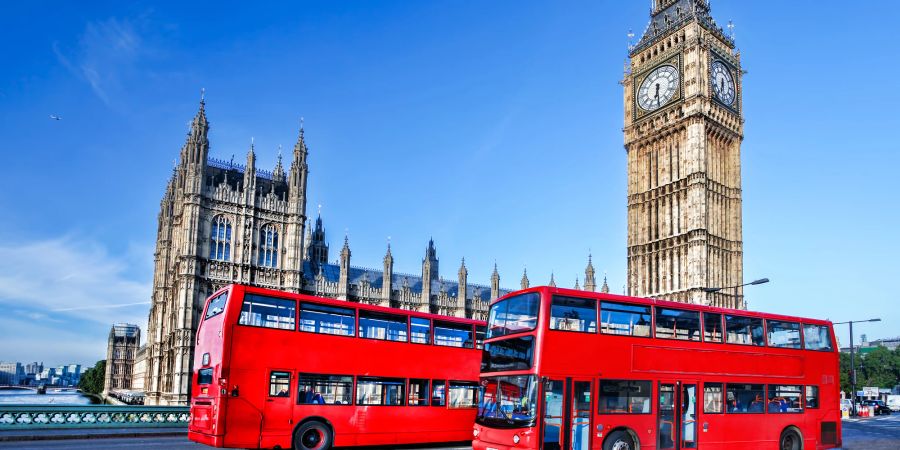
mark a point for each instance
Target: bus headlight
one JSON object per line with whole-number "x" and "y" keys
{"x": 515, "y": 439}
{"x": 475, "y": 432}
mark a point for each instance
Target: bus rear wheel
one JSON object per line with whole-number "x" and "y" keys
{"x": 619, "y": 440}
{"x": 313, "y": 435}
{"x": 790, "y": 440}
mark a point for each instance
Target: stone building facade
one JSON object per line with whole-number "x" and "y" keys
{"x": 683, "y": 132}
{"x": 121, "y": 354}
{"x": 222, "y": 222}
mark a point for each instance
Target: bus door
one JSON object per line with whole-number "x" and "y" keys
{"x": 278, "y": 404}
{"x": 677, "y": 415}
{"x": 579, "y": 406}
{"x": 553, "y": 413}
{"x": 566, "y": 410}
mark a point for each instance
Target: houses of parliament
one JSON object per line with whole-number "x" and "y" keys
{"x": 222, "y": 222}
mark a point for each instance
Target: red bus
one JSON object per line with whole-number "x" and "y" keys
{"x": 280, "y": 370}
{"x": 573, "y": 370}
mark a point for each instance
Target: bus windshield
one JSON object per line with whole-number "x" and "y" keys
{"x": 513, "y": 315}
{"x": 508, "y": 402}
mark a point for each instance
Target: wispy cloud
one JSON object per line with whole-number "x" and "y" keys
{"x": 104, "y": 52}
{"x": 71, "y": 275}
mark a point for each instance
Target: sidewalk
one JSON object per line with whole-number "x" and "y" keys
{"x": 87, "y": 433}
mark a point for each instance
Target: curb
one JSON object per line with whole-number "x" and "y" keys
{"x": 60, "y": 437}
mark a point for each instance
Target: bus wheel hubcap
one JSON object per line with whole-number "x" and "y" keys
{"x": 621, "y": 445}
{"x": 311, "y": 438}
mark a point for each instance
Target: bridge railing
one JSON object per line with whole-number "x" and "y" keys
{"x": 18, "y": 417}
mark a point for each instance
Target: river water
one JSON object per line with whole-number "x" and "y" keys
{"x": 29, "y": 397}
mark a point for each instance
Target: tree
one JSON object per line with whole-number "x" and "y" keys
{"x": 92, "y": 380}
{"x": 880, "y": 368}
{"x": 845, "y": 372}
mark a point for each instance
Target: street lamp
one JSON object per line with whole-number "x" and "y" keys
{"x": 853, "y": 361}
{"x": 754, "y": 282}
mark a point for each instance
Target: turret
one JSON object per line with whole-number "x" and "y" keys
{"x": 590, "y": 283}
{"x": 495, "y": 283}
{"x": 461, "y": 293}
{"x": 387, "y": 283}
{"x": 429, "y": 271}
{"x": 344, "y": 282}
{"x": 524, "y": 281}
{"x": 250, "y": 176}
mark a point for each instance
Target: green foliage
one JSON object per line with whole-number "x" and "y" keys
{"x": 878, "y": 368}
{"x": 92, "y": 379}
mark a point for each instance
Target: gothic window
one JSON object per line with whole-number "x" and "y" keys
{"x": 220, "y": 239}
{"x": 268, "y": 246}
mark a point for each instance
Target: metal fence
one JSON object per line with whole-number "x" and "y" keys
{"x": 17, "y": 417}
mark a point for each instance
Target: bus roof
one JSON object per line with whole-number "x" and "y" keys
{"x": 344, "y": 303}
{"x": 661, "y": 303}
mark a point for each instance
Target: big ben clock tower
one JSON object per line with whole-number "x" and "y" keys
{"x": 683, "y": 133}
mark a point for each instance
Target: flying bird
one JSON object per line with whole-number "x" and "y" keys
{"x": 55, "y": 117}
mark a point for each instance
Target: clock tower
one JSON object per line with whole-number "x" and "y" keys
{"x": 683, "y": 133}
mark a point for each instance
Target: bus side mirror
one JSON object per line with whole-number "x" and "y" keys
{"x": 234, "y": 391}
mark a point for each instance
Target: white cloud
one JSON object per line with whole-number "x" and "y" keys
{"x": 71, "y": 278}
{"x": 105, "y": 50}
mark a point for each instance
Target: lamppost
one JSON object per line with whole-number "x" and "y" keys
{"x": 853, "y": 361}
{"x": 736, "y": 297}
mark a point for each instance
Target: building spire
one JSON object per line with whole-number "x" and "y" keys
{"x": 495, "y": 283}
{"x": 525, "y": 283}
{"x": 590, "y": 283}
{"x": 577, "y": 287}
{"x": 552, "y": 280}
{"x": 278, "y": 172}
{"x": 605, "y": 288}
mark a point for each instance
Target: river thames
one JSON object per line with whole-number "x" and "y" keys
{"x": 29, "y": 397}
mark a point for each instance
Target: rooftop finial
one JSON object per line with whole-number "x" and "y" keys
{"x": 320, "y": 209}
{"x": 202, "y": 95}
{"x": 731, "y": 29}
{"x": 301, "y": 124}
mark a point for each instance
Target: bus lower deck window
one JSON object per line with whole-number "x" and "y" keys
{"x": 418, "y": 392}
{"x": 624, "y": 397}
{"x": 712, "y": 398}
{"x": 463, "y": 394}
{"x": 812, "y": 396}
{"x": 380, "y": 391}
{"x": 784, "y": 399}
{"x": 437, "y": 393}
{"x": 279, "y": 384}
{"x": 745, "y": 398}
{"x": 324, "y": 389}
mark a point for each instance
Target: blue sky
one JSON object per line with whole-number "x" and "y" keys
{"x": 494, "y": 127}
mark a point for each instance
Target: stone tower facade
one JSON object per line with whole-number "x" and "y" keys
{"x": 222, "y": 223}
{"x": 121, "y": 353}
{"x": 683, "y": 133}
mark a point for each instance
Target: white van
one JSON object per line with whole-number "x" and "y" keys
{"x": 893, "y": 402}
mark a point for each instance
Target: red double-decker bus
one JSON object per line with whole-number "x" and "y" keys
{"x": 279, "y": 370}
{"x": 575, "y": 370}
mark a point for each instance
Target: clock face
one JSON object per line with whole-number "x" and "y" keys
{"x": 658, "y": 88}
{"x": 722, "y": 83}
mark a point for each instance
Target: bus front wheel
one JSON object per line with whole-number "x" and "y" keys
{"x": 619, "y": 440}
{"x": 313, "y": 435}
{"x": 790, "y": 440}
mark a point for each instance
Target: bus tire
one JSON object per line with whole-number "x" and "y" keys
{"x": 790, "y": 439}
{"x": 313, "y": 435}
{"x": 619, "y": 440}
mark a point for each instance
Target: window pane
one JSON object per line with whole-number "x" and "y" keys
{"x": 269, "y": 312}
{"x": 418, "y": 392}
{"x": 463, "y": 394}
{"x": 327, "y": 319}
{"x": 712, "y": 398}
{"x": 480, "y": 331}
{"x": 216, "y": 305}
{"x": 508, "y": 399}
{"x": 812, "y": 396}
{"x": 712, "y": 327}
{"x": 624, "y": 397}
{"x": 783, "y": 334}
{"x": 420, "y": 330}
{"x": 437, "y": 393}
{"x": 382, "y": 326}
{"x": 817, "y": 337}
{"x": 784, "y": 399}
{"x": 453, "y": 335}
{"x": 513, "y": 315}
{"x": 280, "y": 384}
{"x": 380, "y": 391}
{"x": 508, "y": 354}
{"x": 744, "y": 330}
{"x": 745, "y": 398}
{"x": 324, "y": 389}
{"x": 204, "y": 376}
{"x": 627, "y": 320}
{"x": 573, "y": 314}
{"x": 677, "y": 324}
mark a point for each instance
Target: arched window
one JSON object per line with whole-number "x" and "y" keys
{"x": 220, "y": 239}
{"x": 268, "y": 246}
